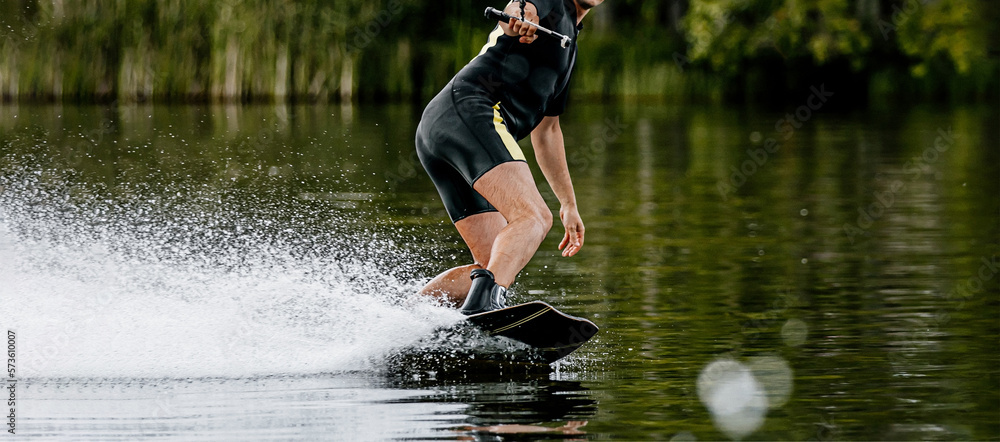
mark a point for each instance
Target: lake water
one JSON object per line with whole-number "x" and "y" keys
{"x": 237, "y": 272}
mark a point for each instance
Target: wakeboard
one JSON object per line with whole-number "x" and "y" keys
{"x": 551, "y": 333}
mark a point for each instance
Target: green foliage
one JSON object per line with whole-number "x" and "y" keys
{"x": 241, "y": 50}
{"x": 934, "y": 43}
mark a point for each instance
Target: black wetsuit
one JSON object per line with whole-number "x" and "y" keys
{"x": 472, "y": 125}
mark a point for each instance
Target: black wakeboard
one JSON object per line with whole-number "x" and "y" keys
{"x": 551, "y": 333}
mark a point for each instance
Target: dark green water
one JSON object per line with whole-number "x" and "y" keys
{"x": 842, "y": 279}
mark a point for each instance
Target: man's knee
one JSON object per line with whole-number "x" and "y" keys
{"x": 543, "y": 217}
{"x": 539, "y": 217}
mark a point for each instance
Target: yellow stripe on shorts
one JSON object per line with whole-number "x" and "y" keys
{"x": 508, "y": 140}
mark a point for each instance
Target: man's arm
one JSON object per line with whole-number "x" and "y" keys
{"x": 547, "y": 142}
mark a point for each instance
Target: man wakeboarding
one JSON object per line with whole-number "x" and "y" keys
{"x": 466, "y": 140}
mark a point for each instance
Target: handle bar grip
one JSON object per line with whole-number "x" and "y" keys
{"x": 498, "y": 15}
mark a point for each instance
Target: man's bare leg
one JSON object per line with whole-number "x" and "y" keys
{"x": 451, "y": 286}
{"x": 510, "y": 188}
{"x": 479, "y": 232}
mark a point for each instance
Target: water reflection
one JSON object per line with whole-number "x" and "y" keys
{"x": 852, "y": 275}
{"x": 510, "y": 402}
{"x": 571, "y": 428}
{"x": 338, "y": 407}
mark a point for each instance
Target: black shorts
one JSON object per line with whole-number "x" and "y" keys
{"x": 459, "y": 139}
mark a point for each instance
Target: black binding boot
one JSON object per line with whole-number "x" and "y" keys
{"x": 485, "y": 295}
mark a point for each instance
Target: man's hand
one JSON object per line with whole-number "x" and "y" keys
{"x": 573, "y": 239}
{"x": 550, "y": 151}
{"x": 517, "y": 27}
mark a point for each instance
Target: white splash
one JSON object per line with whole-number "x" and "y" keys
{"x": 183, "y": 287}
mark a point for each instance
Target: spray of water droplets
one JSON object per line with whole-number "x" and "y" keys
{"x": 137, "y": 279}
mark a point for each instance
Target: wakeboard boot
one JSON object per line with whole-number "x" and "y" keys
{"x": 485, "y": 294}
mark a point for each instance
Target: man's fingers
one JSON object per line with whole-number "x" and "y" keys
{"x": 570, "y": 251}
{"x": 519, "y": 28}
{"x": 530, "y": 16}
{"x": 572, "y": 242}
{"x": 528, "y": 30}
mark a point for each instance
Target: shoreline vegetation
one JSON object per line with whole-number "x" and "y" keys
{"x": 180, "y": 51}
